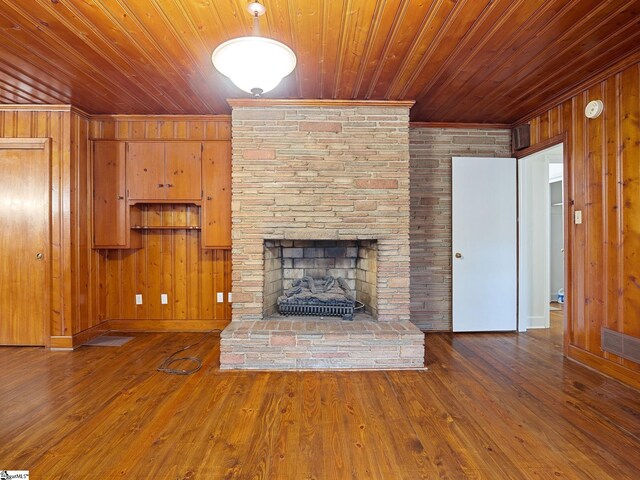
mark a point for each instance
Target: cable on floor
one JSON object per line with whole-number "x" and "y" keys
{"x": 165, "y": 366}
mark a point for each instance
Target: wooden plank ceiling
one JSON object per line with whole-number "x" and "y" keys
{"x": 461, "y": 60}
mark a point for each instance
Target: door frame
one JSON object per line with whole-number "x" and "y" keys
{"x": 567, "y": 187}
{"x": 43, "y": 144}
{"x": 534, "y": 219}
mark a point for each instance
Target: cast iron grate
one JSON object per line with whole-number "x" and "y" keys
{"x": 342, "y": 309}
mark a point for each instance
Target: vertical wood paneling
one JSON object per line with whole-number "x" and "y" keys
{"x": 76, "y": 270}
{"x": 602, "y": 174}
{"x": 611, "y": 206}
{"x": 193, "y": 276}
{"x": 567, "y": 122}
{"x": 593, "y": 226}
{"x": 630, "y": 172}
{"x": 170, "y": 261}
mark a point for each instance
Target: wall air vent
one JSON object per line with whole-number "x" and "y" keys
{"x": 624, "y": 346}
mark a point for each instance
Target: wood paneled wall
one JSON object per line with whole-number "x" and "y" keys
{"x": 88, "y": 268}
{"x": 170, "y": 261}
{"x": 602, "y": 179}
{"x": 160, "y": 127}
{"x": 75, "y": 268}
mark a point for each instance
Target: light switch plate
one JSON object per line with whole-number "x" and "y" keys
{"x": 230, "y": 297}
{"x": 163, "y": 299}
{"x": 220, "y": 297}
{"x": 577, "y": 216}
{"x": 138, "y": 299}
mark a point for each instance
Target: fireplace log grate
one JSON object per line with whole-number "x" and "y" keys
{"x": 343, "y": 309}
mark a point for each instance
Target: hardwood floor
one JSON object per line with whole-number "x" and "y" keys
{"x": 490, "y": 406}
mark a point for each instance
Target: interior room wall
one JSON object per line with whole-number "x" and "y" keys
{"x": 75, "y": 269}
{"x": 430, "y": 150}
{"x": 170, "y": 261}
{"x": 603, "y": 182}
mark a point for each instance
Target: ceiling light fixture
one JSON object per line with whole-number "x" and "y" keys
{"x": 254, "y": 64}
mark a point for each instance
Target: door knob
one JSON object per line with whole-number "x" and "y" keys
{"x": 39, "y": 256}
{"x": 458, "y": 255}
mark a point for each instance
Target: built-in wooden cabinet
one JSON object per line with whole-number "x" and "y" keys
{"x": 216, "y": 201}
{"x": 158, "y": 171}
{"x": 111, "y": 213}
{"x": 128, "y": 175}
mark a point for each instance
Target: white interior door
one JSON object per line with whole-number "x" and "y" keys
{"x": 484, "y": 244}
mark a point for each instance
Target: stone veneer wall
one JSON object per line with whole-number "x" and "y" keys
{"x": 431, "y": 150}
{"x": 323, "y": 171}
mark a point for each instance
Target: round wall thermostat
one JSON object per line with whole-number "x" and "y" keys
{"x": 594, "y": 109}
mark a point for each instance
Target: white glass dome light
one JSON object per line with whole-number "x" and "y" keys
{"x": 254, "y": 64}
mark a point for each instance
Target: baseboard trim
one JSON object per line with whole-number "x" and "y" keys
{"x": 68, "y": 343}
{"x": 604, "y": 366}
{"x": 71, "y": 342}
{"x": 166, "y": 325}
{"x": 59, "y": 342}
{"x": 84, "y": 336}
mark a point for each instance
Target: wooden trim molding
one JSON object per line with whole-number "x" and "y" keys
{"x": 166, "y": 325}
{"x": 71, "y": 342}
{"x": 61, "y": 342}
{"x": 542, "y": 145}
{"x": 300, "y": 102}
{"x": 160, "y": 118}
{"x": 604, "y": 366}
{"x": 468, "y": 126}
{"x": 24, "y": 143}
{"x": 84, "y": 336}
{"x": 81, "y": 113}
{"x": 31, "y": 107}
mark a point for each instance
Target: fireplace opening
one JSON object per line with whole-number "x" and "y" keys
{"x": 320, "y": 278}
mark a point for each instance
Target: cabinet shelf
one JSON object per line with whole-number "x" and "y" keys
{"x": 165, "y": 227}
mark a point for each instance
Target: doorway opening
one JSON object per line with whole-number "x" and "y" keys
{"x": 541, "y": 238}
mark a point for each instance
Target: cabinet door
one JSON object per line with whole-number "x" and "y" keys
{"x": 216, "y": 204}
{"x": 145, "y": 171}
{"x": 182, "y": 170}
{"x": 109, "y": 204}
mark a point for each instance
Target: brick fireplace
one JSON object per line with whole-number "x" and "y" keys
{"x": 312, "y": 179}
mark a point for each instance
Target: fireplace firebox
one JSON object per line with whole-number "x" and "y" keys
{"x": 320, "y": 278}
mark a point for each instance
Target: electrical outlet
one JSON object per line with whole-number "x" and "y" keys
{"x": 163, "y": 299}
{"x": 220, "y": 297}
{"x": 577, "y": 217}
{"x": 229, "y": 297}
{"x": 138, "y": 299}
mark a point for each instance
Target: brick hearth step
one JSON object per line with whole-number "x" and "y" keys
{"x": 291, "y": 344}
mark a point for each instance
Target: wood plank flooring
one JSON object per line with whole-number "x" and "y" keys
{"x": 490, "y": 406}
